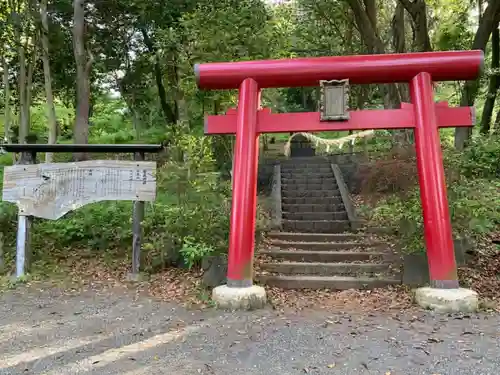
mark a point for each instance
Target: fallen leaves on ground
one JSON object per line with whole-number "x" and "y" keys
{"x": 95, "y": 271}
{"x": 171, "y": 285}
{"x": 184, "y": 286}
{"x": 377, "y": 300}
{"x": 482, "y": 275}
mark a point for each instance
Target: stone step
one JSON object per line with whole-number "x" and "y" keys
{"x": 317, "y": 226}
{"x": 312, "y": 208}
{"x": 308, "y": 174}
{"x": 310, "y": 186}
{"x": 340, "y": 215}
{"x": 305, "y": 169}
{"x": 306, "y": 160}
{"x": 325, "y": 269}
{"x": 323, "y": 256}
{"x": 306, "y": 180}
{"x": 326, "y": 201}
{"x": 327, "y": 246}
{"x": 326, "y": 282}
{"x": 326, "y": 193}
{"x": 315, "y": 237}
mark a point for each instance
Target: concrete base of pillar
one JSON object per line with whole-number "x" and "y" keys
{"x": 136, "y": 277}
{"x": 250, "y": 298}
{"x": 447, "y": 300}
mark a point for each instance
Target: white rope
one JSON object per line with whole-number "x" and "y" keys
{"x": 328, "y": 143}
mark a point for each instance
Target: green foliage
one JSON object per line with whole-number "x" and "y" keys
{"x": 473, "y": 194}
{"x": 79, "y": 229}
{"x": 195, "y": 208}
{"x": 454, "y": 29}
{"x": 474, "y": 211}
{"x": 482, "y": 158}
{"x": 109, "y": 117}
{"x": 193, "y": 252}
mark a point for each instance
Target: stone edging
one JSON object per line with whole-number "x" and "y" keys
{"x": 276, "y": 198}
{"x": 346, "y": 198}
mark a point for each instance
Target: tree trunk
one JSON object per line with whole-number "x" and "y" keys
{"x": 494, "y": 82}
{"x": 51, "y": 113}
{"x": 6, "y": 90}
{"x": 374, "y": 45}
{"x": 168, "y": 112}
{"x": 417, "y": 9}
{"x": 29, "y": 85}
{"x": 366, "y": 29}
{"x": 399, "y": 43}
{"x": 371, "y": 12}
{"x": 83, "y": 66}
{"x": 496, "y": 127}
{"x": 398, "y": 29}
{"x": 21, "y": 81}
{"x": 182, "y": 108}
{"x": 469, "y": 93}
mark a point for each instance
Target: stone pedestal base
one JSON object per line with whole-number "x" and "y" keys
{"x": 447, "y": 300}
{"x": 136, "y": 277}
{"x": 250, "y": 298}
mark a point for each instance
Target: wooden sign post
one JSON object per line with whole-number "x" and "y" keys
{"x": 50, "y": 191}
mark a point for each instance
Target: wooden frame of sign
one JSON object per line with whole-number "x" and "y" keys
{"x": 334, "y": 100}
{"x": 51, "y": 190}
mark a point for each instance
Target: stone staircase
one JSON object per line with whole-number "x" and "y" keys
{"x": 311, "y": 200}
{"x": 318, "y": 247}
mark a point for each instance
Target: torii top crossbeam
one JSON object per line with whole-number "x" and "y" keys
{"x": 360, "y": 69}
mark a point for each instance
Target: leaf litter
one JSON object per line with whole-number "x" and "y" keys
{"x": 185, "y": 287}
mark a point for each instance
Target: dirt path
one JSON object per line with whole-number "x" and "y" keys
{"x": 114, "y": 331}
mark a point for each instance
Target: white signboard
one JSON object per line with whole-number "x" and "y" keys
{"x": 51, "y": 190}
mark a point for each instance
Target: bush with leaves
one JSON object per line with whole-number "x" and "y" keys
{"x": 8, "y": 214}
{"x": 473, "y": 195}
{"x": 482, "y": 158}
{"x": 474, "y": 211}
{"x": 196, "y": 212}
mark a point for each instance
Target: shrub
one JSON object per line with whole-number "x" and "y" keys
{"x": 391, "y": 173}
{"x": 193, "y": 252}
{"x": 474, "y": 211}
{"x": 196, "y": 209}
{"x": 473, "y": 195}
{"x": 482, "y": 158}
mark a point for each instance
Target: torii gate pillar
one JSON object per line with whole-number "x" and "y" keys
{"x": 423, "y": 115}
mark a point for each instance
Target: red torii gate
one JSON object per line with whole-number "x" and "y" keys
{"x": 423, "y": 115}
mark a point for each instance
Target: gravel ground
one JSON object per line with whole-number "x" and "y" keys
{"x": 116, "y": 331}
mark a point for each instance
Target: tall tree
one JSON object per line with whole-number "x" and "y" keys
{"x": 494, "y": 84}
{"x": 171, "y": 114}
{"x": 24, "y": 39}
{"x": 486, "y": 24}
{"x": 5, "y": 28}
{"x": 417, "y": 9}
{"x": 84, "y": 60}
{"x": 6, "y": 98}
{"x": 51, "y": 112}
{"x": 366, "y": 23}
